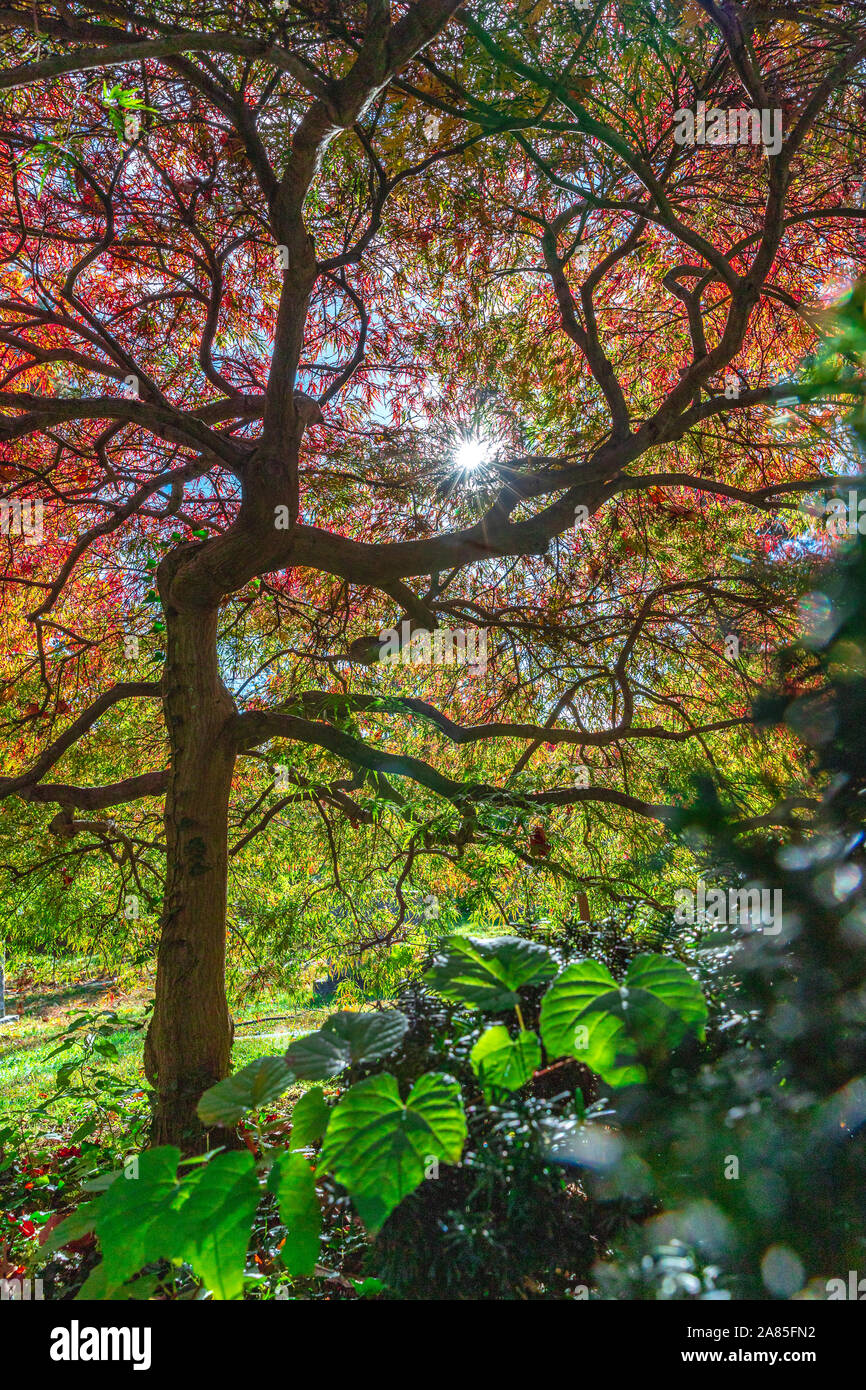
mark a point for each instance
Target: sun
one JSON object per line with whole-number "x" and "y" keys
{"x": 472, "y": 453}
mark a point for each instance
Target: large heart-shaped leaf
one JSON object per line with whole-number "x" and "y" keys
{"x": 254, "y": 1085}
{"x": 293, "y": 1181}
{"x": 136, "y": 1219}
{"x": 214, "y": 1222}
{"x": 344, "y": 1040}
{"x": 379, "y": 1148}
{"x": 148, "y": 1215}
{"x": 612, "y": 1027}
{"x": 502, "y": 1061}
{"x": 565, "y": 1009}
{"x": 670, "y": 982}
{"x": 487, "y": 972}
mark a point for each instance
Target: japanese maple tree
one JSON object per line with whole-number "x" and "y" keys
{"x": 319, "y": 319}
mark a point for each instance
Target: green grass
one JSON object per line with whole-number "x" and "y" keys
{"x": 264, "y": 1025}
{"x": 57, "y": 1146}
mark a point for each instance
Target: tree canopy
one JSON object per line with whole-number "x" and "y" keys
{"x": 323, "y": 321}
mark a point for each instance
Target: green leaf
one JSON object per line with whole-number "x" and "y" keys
{"x": 367, "y": 1288}
{"x": 97, "y": 1288}
{"x": 293, "y": 1181}
{"x": 669, "y": 981}
{"x": 570, "y": 996}
{"x": 82, "y": 1130}
{"x": 310, "y": 1119}
{"x": 345, "y": 1039}
{"x": 615, "y": 1028}
{"x": 149, "y": 1216}
{"x": 101, "y": 1182}
{"x": 499, "y": 1060}
{"x": 142, "y": 1288}
{"x": 55, "y": 156}
{"x": 379, "y": 1148}
{"x": 486, "y": 973}
{"x": 136, "y": 1221}
{"x": 254, "y": 1085}
{"x": 214, "y": 1223}
{"x": 77, "y": 1224}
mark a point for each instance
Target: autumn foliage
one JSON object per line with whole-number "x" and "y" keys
{"x": 434, "y": 284}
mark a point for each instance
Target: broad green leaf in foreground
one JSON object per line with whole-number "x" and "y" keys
{"x": 379, "y": 1148}
{"x": 137, "y": 1218}
{"x": 345, "y": 1039}
{"x": 254, "y": 1085}
{"x": 293, "y": 1181}
{"x": 214, "y": 1223}
{"x": 486, "y": 973}
{"x": 502, "y": 1061}
{"x": 204, "y": 1219}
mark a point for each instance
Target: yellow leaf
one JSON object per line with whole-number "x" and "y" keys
{"x": 693, "y": 16}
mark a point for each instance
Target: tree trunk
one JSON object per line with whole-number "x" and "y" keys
{"x": 188, "y": 1045}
